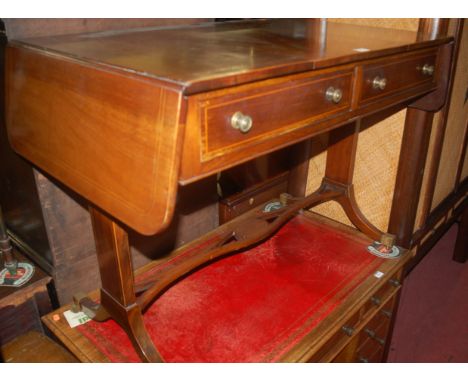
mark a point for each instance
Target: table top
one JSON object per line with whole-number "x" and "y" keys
{"x": 215, "y": 55}
{"x": 107, "y": 113}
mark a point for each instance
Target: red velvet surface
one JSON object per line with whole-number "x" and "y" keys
{"x": 249, "y": 307}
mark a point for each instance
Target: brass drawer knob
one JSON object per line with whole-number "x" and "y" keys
{"x": 394, "y": 282}
{"x": 373, "y": 335}
{"x": 379, "y": 83}
{"x": 349, "y": 330}
{"x": 363, "y": 359}
{"x": 333, "y": 94}
{"x": 386, "y": 313}
{"x": 376, "y": 301}
{"x": 241, "y": 122}
{"x": 428, "y": 70}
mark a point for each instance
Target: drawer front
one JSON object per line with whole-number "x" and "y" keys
{"x": 386, "y": 77}
{"x": 370, "y": 351}
{"x": 342, "y": 336}
{"x": 378, "y": 298}
{"x": 373, "y": 336}
{"x": 273, "y": 110}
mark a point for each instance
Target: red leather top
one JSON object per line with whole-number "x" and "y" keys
{"x": 253, "y": 306}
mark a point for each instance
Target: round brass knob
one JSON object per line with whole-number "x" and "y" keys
{"x": 428, "y": 70}
{"x": 394, "y": 282}
{"x": 241, "y": 122}
{"x": 363, "y": 359}
{"x": 379, "y": 83}
{"x": 374, "y": 336}
{"x": 334, "y": 95}
{"x": 386, "y": 313}
{"x": 348, "y": 330}
{"x": 376, "y": 301}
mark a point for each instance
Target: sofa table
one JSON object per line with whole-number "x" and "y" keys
{"x": 126, "y": 117}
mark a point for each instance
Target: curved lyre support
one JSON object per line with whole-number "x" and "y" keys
{"x": 347, "y": 200}
{"x": 131, "y": 320}
{"x": 341, "y": 155}
{"x": 139, "y": 336}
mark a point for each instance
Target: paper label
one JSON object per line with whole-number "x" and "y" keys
{"x": 378, "y": 274}
{"x": 76, "y": 319}
{"x": 360, "y": 50}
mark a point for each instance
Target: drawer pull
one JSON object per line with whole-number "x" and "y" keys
{"x": 349, "y": 330}
{"x": 379, "y": 83}
{"x": 241, "y": 122}
{"x": 372, "y": 335}
{"x": 386, "y": 313}
{"x": 376, "y": 301}
{"x": 394, "y": 282}
{"x": 363, "y": 359}
{"x": 428, "y": 70}
{"x": 334, "y": 95}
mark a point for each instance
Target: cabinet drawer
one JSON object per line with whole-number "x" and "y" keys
{"x": 329, "y": 350}
{"x": 272, "y": 108}
{"x": 386, "y": 290}
{"x": 370, "y": 351}
{"x": 385, "y": 77}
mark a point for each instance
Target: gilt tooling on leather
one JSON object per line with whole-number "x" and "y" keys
{"x": 253, "y": 306}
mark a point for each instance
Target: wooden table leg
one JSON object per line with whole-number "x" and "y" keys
{"x": 414, "y": 148}
{"x": 118, "y": 291}
{"x": 460, "y": 254}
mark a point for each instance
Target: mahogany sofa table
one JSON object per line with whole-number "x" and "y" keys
{"x": 125, "y": 117}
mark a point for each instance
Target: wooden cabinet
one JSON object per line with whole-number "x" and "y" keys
{"x": 363, "y": 337}
{"x": 370, "y": 341}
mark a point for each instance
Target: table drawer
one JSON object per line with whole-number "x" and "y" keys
{"x": 387, "y": 76}
{"x": 238, "y": 119}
